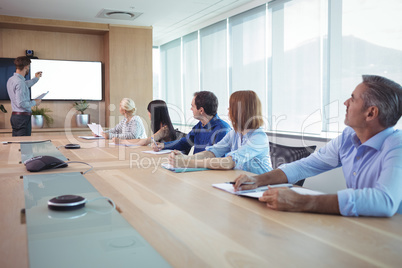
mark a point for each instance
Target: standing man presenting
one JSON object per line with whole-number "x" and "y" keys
{"x": 21, "y": 103}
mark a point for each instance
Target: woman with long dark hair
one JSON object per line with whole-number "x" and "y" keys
{"x": 161, "y": 125}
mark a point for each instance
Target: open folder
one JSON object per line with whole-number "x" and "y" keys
{"x": 180, "y": 170}
{"x": 41, "y": 96}
{"x": 257, "y": 192}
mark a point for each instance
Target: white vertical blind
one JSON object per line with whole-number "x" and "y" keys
{"x": 191, "y": 73}
{"x": 171, "y": 78}
{"x": 302, "y": 57}
{"x": 213, "y": 53}
{"x": 248, "y": 69}
{"x": 297, "y": 59}
{"x": 371, "y": 44}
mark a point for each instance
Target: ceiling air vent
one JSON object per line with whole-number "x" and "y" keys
{"x": 117, "y": 14}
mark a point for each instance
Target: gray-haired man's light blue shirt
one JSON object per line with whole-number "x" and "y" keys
{"x": 18, "y": 91}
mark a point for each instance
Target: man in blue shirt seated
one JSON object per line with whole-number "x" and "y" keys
{"x": 369, "y": 151}
{"x": 210, "y": 130}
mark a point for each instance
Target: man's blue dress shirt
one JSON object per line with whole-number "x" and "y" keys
{"x": 373, "y": 171}
{"x": 201, "y": 136}
{"x": 18, "y": 91}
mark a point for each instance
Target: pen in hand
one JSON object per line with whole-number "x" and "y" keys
{"x": 244, "y": 183}
{"x": 153, "y": 140}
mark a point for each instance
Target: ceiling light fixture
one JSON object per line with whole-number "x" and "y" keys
{"x": 117, "y": 14}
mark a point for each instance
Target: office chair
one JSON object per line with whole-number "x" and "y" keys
{"x": 281, "y": 154}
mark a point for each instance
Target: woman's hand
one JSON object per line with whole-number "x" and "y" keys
{"x": 119, "y": 141}
{"x": 105, "y": 135}
{"x": 157, "y": 146}
{"x": 162, "y": 133}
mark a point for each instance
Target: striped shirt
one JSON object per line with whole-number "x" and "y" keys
{"x": 133, "y": 129}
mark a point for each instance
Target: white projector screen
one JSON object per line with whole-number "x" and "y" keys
{"x": 67, "y": 80}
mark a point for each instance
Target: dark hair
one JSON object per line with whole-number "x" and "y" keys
{"x": 206, "y": 100}
{"x": 160, "y": 115}
{"x": 21, "y": 62}
{"x": 386, "y": 95}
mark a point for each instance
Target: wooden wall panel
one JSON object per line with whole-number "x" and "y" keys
{"x": 54, "y": 45}
{"x": 130, "y": 62}
{"x": 126, "y": 54}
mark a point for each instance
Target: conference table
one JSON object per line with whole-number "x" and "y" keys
{"x": 189, "y": 222}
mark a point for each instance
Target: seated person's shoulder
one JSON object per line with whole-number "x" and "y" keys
{"x": 222, "y": 124}
{"x": 394, "y": 140}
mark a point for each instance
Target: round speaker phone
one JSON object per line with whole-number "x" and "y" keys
{"x": 72, "y": 146}
{"x": 66, "y": 202}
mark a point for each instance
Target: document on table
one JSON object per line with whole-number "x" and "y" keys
{"x": 41, "y": 96}
{"x": 160, "y": 152}
{"x": 96, "y": 129}
{"x": 256, "y": 193}
{"x": 124, "y": 144}
{"x": 180, "y": 170}
{"x": 90, "y": 137}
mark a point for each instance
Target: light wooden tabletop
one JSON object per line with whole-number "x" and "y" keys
{"x": 192, "y": 224}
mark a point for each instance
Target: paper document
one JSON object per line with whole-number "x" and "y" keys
{"x": 124, "y": 144}
{"x": 160, "y": 152}
{"x": 180, "y": 170}
{"x": 41, "y": 96}
{"x": 96, "y": 129}
{"x": 90, "y": 137}
{"x": 256, "y": 193}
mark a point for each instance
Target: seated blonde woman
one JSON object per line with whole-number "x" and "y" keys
{"x": 161, "y": 125}
{"x": 246, "y": 147}
{"x": 131, "y": 127}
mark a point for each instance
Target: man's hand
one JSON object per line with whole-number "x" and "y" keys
{"x": 158, "y": 146}
{"x": 38, "y": 101}
{"x": 284, "y": 199}
{"x": 38, "y": 74}
{"x": 177, "y": 159}
{"x": 239, "y": 186}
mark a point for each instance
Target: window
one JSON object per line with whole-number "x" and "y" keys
{"x": 371, "y": 44}
{"x": 302, "y": 57}
{"x": 298, "y": 32}
{"x": 213, "y": 52}
{"x": 171, "y": 79}
{"x": 248, "y": 48}
{"x": 191, "y": 73}
{"x": 156, "y": 69}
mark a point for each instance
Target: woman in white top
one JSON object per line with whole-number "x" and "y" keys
{"x": 131, "y": 127}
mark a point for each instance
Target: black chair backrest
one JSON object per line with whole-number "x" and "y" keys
{"x": 282, "y": 154}
{"x": 179, "y": 134}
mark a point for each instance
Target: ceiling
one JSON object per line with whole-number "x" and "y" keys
{"x": 169, "y": 18}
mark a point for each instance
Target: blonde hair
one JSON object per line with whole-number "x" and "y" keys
{"x": 245, "y": 110}
{"x": 128, "y": 105}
